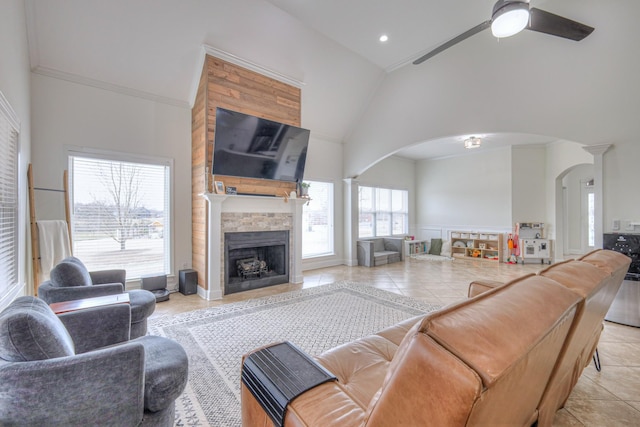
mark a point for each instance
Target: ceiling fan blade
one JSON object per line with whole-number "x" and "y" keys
{"x": 453, "y": 41}
{"x": 548, "y": 23}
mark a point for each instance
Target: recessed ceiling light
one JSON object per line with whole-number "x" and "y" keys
{"x": 472, "y": 142}
{"x": 383, "y": 38}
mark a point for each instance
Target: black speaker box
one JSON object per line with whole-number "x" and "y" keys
{"x": 188, "y": 282}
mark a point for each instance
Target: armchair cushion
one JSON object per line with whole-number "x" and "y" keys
{"x": 70, "y": 273}
{"x": 98, "y": 327}
{"x": 30, "y": 331}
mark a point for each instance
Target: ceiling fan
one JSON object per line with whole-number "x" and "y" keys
{"x": 509, "y": 17}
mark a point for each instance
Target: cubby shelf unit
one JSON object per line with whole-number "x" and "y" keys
{"x": 477, "y": 245}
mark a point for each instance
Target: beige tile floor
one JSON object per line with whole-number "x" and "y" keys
{"x": 607, "y": 398}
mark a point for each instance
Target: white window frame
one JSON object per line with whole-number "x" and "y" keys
{"x": 375, "y": 211}
{"x": 116, "y": 156}
{"x": 331, "y": 220}
{"x": 12, "y": 276}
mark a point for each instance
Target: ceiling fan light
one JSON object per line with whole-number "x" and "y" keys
{"x": 509, "y": 18}
{"x": 472, "y": 142}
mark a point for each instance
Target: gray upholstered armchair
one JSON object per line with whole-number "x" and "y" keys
{"x": 70, "y": 280}
{"x": 80, "y": 368}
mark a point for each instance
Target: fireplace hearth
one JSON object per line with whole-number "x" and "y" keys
{"x": 255, "y": 259}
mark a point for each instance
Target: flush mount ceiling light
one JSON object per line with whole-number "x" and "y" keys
{"x": 509, "y": 18}
{"x": 383, "y": 38}
{"x": 472, "y": 142}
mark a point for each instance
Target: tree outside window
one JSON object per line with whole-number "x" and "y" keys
{"x": 120, "y": 215}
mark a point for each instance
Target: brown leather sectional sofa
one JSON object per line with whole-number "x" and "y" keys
{"x": 508, "y": 356}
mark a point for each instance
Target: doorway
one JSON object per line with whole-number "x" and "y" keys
{"x": 578, "y": 205}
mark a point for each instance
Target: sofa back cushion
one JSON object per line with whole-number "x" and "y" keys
{"x": 70, "y": 272}
{"x": 493, "y": 351}
{"x": 378, "y": 245}
{"x": 29, "y": 330}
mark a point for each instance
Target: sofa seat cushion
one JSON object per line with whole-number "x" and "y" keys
{"x": 29, "y": 331}
{"x": 394, "y": 257}
{"x": 165, "y": 371}
{"x": 360, "y": 366}
{"x": 380, "y": 259}
{"x": 385, "y": 254}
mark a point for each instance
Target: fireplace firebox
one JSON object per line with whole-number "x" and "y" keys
{"x": 255, "y": 259}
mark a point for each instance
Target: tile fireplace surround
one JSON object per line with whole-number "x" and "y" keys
{"x": 232, "y": 213}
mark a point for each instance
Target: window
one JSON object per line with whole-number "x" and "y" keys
{"x": 317, "y": 220}
{"x": 9, "y": 132}
{"x": 591, "y": 209}
{"x": 382, "y": 212}
{"x": 120, "y": 216}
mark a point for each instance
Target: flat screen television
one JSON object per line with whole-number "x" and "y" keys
{"x": 251, "y": 147}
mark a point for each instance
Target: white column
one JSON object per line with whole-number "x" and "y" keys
{"x": 214, "y": 251}
{"x": 351, "y": 221}
{"x": 598, "y": 176}
{"x": 295, "y": 252}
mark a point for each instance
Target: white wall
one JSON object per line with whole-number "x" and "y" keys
{"x": 70, "y": 114}
{"x": 15, "y": 86}
{"x": 467, "y": 192}
{"x": 528, "y": 170}
{"x": 621, "y": 168}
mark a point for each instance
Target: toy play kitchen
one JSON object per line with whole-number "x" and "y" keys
{"x": 533, "y": 245}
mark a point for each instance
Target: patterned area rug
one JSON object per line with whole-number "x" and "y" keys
{"x": 314, "y": 319}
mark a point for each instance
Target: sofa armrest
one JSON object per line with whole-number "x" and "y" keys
{"x": 327, "y": 405}
{"x": 478, "y": 287}
{"x": 98, "y": 327}
{"x": 108, "y": 276}
{"x": 365, "y": 252}
{"x": 52, "y": 294}
{"x": 85, "y": 389}
{"x": 278, "y": 374}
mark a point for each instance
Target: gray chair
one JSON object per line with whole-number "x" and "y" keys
{"x": 80, "y": 368}
{"x": 70, "y": 280}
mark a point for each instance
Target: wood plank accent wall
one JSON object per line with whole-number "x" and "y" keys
{"x": 229, "y": 86}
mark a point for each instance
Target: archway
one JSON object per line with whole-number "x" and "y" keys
{"x": 569, "y": 219}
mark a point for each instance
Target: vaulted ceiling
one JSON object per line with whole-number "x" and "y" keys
{"x": 154, "y": 48}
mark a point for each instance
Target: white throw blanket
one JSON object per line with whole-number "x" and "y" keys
{"x": 54, "y": 245}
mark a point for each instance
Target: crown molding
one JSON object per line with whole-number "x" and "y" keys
{"x": 233, "y": 59}
{"x": 86, "y": 81}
